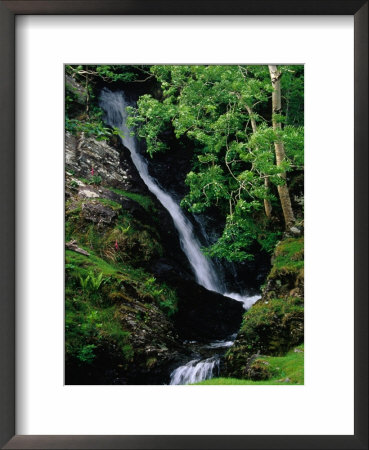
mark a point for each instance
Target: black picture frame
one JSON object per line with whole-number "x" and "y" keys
{"x": 8, "y": 12}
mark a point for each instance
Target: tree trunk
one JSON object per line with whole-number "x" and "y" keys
{"x": 280, "y": 154}
{"x": 267, "y": 204}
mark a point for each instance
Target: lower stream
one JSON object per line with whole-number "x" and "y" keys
{"x": 206, "y": 358}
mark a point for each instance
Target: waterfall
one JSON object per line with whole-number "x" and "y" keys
{"x": 195, "y": 371}
{"x": 114, "y": 104}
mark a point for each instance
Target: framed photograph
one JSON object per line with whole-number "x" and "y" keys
{"x": 160, "y": 167}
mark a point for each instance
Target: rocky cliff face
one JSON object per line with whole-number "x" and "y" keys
{"x": 131, "y": 299}
{"x": 85, "y": 154}
{"x": 111, "y": 232}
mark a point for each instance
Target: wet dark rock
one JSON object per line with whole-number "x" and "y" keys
{"x": 170, "y": 270}
{"x": 98, "y": 213}
{"x": 204, "y": 314}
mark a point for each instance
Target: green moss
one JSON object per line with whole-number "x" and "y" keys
{"x": 121, "y": 281}
{"x": 93, "y": 317}
{"x": 259, "y": 370}
{"x": 137, "y": 247}
{"x": 88, "y": 327}
{"x": 270, "y": 327}
{"x": 265, "y": 326}
{"x": 145, "y": 201}
{"x": 287, "y": 370}
{"x": 288, "y": 257}
{"x": 151, "y": 362}
{"x": 137, "y": 243}
{"x": 110, "y": 203}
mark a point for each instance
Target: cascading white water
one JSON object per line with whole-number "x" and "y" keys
{"x": 195, "y": 371}
{"x": 246, "y": 300}
{"x": 114, "y": 104}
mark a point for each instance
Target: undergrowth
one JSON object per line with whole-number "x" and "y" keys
{"x": 285, "y": 370}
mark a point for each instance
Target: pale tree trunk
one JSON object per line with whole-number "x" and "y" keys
{"x": 267, "y": 204}
{"x": 280, "y": 154}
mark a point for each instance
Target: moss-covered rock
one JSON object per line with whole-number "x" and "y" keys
{"x": 286, "y": 277}
{"x": 275, "y": 323}
{"x": 117, "y": 323}
{"x": 258, "y": 370}
{"x": 112, "y": 225}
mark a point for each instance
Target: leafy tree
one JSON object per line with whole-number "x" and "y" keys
{"x": 238, "y": 132}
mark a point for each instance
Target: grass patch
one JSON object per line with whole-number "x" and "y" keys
{"x": 110, "y": 203}
{"x": 145, "y": 201}
{"x": 133, "y": 283}
{"x": 286, "y": 370}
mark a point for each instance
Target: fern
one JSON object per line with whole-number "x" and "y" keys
{"x": 84, "y": 282}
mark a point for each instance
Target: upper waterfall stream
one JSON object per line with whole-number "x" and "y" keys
{"x": 114, "y": 104}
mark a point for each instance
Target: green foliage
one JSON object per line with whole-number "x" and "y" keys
{"x": 84, "y": 282}
{"x": 165, "y": 297}
{"x": 107, "y": 73}
{"x": 96, "y": 291}
{"x": 113, "y": 276}
{"x": 86, "y": 353}
{"x": 151, "y": 119}
{"x": 92, "y": 179}
{"x": 88, "y": 326}
{"x": 82, "y": 113}
{"x": 95, "y": 281}
{"x": 95, "y": 179}
{"x": 73, "y": 184}
{"x": 240, "y": 231}
{"x": 225, "y": 112}
{"x": 94, "y": 128}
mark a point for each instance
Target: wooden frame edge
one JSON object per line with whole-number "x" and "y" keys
{"x": 8, "y": 11}
{"x": 7, "y": 225}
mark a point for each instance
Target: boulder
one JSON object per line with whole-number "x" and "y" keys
{"x": 98, "y": 213}
{"x": 204, "y": 314}
{"x": 258, "y": 369}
